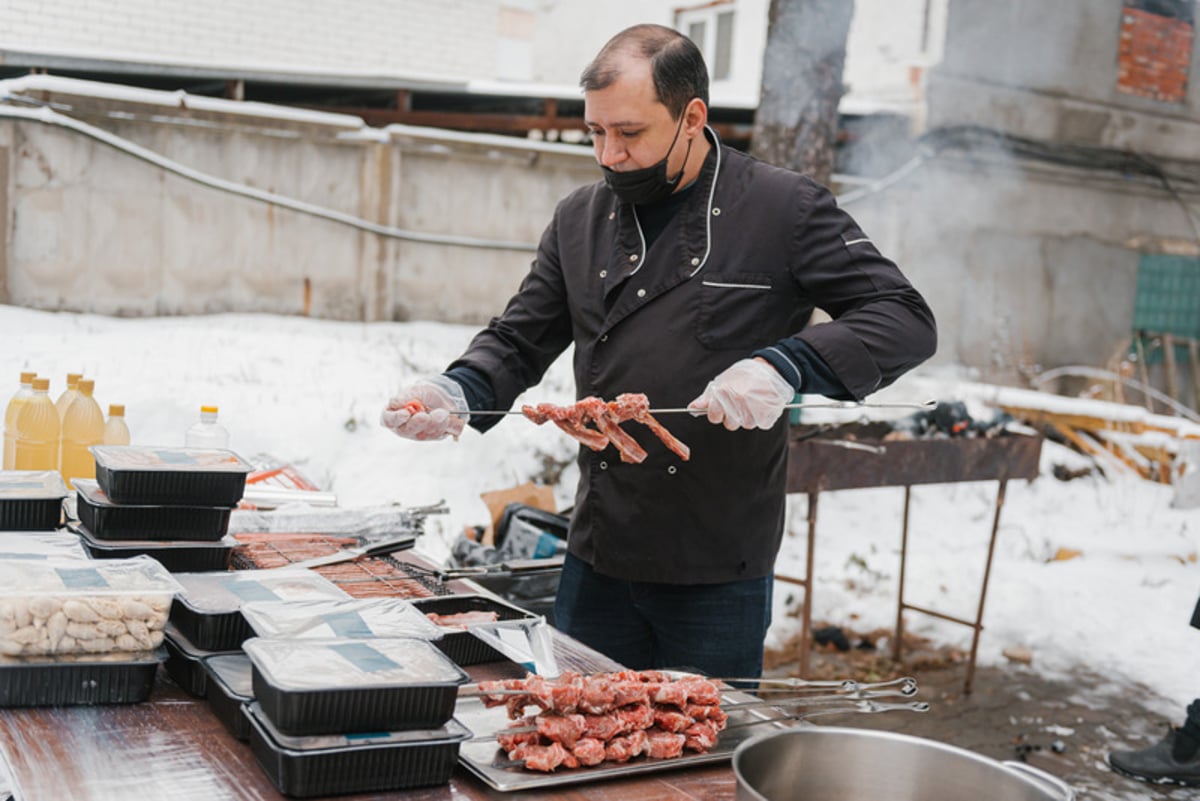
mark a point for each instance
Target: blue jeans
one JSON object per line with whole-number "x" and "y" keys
{"x": 717, "y": 629}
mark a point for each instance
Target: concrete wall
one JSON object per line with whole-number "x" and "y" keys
{"x": 1025, "y": 269}
{"x": 1054, "y": 79}
{"x": 96, "y": 229}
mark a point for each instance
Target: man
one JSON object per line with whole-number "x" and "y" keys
{"x": 1175, "y": 759}
{"x": 688, "y": 274}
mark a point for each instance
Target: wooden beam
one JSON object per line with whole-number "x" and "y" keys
{"x": 1168, "y": 341}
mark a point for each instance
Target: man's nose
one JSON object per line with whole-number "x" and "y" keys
{"x": 611, "y": 151}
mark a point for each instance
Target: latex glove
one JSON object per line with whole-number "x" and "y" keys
{"x": 429, "y": 408}
{"x": 748, "y": 394}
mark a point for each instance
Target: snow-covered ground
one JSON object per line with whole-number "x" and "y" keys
{"x": 310, "y": 392}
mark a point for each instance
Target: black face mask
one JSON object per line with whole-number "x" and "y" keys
{"x": 649, "y": 184}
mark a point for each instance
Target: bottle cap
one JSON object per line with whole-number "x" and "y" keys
{"x": 116, "y": 410}
{"x": 41, "y": 383}
{"x": 87, "y": 386}
{"x": 208, "y": 409}
{"x": 73, "y": 379}
{"x": 27, "y": 378}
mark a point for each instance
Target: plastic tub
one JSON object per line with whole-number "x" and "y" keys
{"x": 31, "y": 500}
{"x": 70, "y": 606}
{"x": 459, "y": 643}
{"x": 113, "y": 521}
{"x": 182, "y": 556}
{"x": 344, "y": 686}
{"x": 209, "y": 609}
{"x": 229, "y": 688}
{"x": 175, "y": 476}
{"x": 303, "y": 767}
{"x": 337, "y": 618}
{"x": 77, "y": 680}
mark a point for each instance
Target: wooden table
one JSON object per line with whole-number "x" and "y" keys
{"x": 172, "y": 748}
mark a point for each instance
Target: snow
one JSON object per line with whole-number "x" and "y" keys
{"x": 310, "y": 392}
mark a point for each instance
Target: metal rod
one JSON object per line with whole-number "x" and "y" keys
{"x": 929, "y": 404}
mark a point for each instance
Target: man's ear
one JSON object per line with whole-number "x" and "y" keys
{"x": 695, "y": 116}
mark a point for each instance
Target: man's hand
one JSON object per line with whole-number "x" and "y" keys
{"x": 749, "y": 394}
{"x": 429, "y": 408}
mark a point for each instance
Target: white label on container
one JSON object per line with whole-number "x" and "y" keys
{"x": 78, "y": 578}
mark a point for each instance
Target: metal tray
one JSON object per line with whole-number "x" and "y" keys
{"x": 481, "y": 756}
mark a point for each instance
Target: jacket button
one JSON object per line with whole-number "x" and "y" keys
{"x": 633, "y": 257}
{"x": 671, "y": 470}
{"x": 604, "y": 273}
{"x": 604, "y": 465}
{"x": 612, "y": 215}
{"x": 716, "y": 212}
{"x": 641, "y": 293}
{"x": 604, "y": 338}
{"x": 695, "y": 260}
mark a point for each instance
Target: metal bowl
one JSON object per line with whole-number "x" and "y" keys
{"x": 841, "y": 764}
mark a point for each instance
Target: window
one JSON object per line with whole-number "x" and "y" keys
{"x": 1155, "y": 49}
{"x": 711, "y": 28}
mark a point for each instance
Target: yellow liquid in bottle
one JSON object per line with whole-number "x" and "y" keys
{"x": 82, "y": 427}
{"x": 69, "y": 394}
{"x": 10, "y": 420}
{"x": 37, "y": 431}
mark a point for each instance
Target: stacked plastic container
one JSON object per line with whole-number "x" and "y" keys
{"x": 206, "y": 619}
{"x": 31, "y": 500}
{"x": 350, "y": 696}
{"x": 173, "y": 504}
{"x": 78, "y": 632}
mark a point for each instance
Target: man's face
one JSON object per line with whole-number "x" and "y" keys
{"x": 630, "y": 129}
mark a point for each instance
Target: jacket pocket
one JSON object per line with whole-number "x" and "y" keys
{"x": 735, "y": 311}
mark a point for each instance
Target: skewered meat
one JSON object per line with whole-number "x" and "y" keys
{"x": 664, "y": 717}
{"x": 607, "y": 417}
{"x": 461, "y": 620}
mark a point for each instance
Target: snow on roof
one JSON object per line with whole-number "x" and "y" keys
{"x": 176, "y": 99}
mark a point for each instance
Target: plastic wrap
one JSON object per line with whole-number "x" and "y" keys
{"x": 368, "y": 521}
{"x": 230, "y": 686}
{"x": 336, "y": 618}
{"x": 208, "y": 610}
{"x": 41, "y": 545}
{"x": 177, "y": 556}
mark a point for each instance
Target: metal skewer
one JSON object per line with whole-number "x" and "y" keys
{"x": 929, "y": 404}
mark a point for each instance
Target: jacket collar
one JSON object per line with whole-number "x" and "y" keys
{"x": 697, "y": 215}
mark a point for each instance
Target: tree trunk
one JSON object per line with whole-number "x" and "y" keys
{"x": 796, "y": 123}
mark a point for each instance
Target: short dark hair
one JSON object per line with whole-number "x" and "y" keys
{"x": 676, "y": 65}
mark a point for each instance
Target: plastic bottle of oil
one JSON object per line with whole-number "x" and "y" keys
{"x": 69, "y": 394}
{"x": 37, "y": 430}
{"x": 10, "y": 419}
{"x": 82, "y": 427}
{"x": 116, "y": 432}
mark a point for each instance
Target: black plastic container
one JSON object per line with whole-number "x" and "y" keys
{"x": 185, "y": 662}
{"x": 460, "y": 644}
{"x": 209, "y": 610}
{"x": 230, "y": 687}
{"x": 173, "y": 476}
{"x": 308, "y": 687}
{"x": 78, "y": 680}
{"x": 183, "y": 556}
{"x": 113, "y": 521}
{"x": 303, "y": 767}
{"x": 31, "y": 500}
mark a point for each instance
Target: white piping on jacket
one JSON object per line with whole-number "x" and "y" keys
{"x": 726, "y": 285}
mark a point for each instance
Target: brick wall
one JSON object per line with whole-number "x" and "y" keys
{"x": 1154, "y": 56}
{"x": 447, "y": 38}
